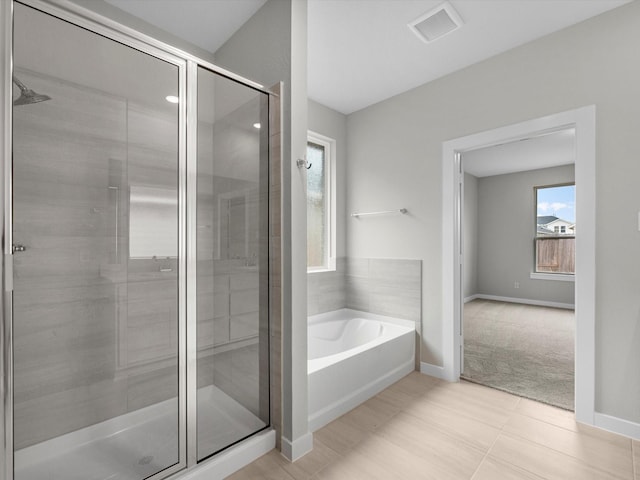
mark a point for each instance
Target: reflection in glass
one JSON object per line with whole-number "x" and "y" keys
{"x": 153, "y": 230}
{"x": 232, "y": 266}
{"x": 95, "y": 175}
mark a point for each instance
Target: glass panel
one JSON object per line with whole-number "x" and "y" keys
{"x": 95, "y": 176}
{"x": 555, "y": 229}
{"x": 316, "y": 207}
{"x": 232, "y": 263}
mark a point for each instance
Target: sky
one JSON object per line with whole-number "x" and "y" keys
{"x": 558, "y": 201}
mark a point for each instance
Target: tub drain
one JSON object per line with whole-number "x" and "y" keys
{"x": 145, "y": 460}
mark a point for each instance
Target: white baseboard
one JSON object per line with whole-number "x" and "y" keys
{"x": 617, "y": 425}
{"x": 229, "y": 462}
{"x": 471, "y": 298}
{"x": 432, "y": 370}
{"x": 526, "y": 301}
{"x": 293, "y": 450}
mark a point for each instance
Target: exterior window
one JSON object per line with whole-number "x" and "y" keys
{"x": 320, "y": 204}
{"x": 555, "y": 241}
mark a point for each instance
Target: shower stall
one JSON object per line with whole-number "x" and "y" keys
{"x": 136, "y": 303}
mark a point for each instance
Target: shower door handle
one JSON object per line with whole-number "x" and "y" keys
{"x": 19, "y": 248}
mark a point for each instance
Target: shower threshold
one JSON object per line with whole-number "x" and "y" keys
{"x": 138, "y": 444}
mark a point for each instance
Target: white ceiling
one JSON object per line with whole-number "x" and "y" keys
{"x": 205, "y": 23}
{"x": 361, "y": 52}
{"x": 550, "y": 150}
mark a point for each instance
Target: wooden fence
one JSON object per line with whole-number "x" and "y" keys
{"x": 556, "y": 254}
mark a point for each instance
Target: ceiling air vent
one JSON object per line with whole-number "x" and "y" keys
{"x": 436, "y": 23}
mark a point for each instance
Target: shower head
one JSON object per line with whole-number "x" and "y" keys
{"x": 28, "y": 96}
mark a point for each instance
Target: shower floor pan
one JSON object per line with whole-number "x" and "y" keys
{"x": 137, "y": 444}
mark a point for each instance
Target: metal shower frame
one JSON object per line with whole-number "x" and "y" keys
{"x": 187, "y": 175}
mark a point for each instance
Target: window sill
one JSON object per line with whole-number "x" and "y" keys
{"x": 561, "y": 277}
{"x": 321, "y": 270}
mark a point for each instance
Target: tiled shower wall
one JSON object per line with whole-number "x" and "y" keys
{"x": 384, "y": 286}
{"x": 95, "y": 335}
{"x": 83, "y": 346}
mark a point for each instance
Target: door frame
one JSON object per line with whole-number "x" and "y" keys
{"x": 584, "y": 121}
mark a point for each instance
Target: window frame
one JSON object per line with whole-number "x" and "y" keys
{"x": 329, "y": 144}
{"x": 545, "y": 275}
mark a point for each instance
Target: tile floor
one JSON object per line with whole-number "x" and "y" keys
{"x": 424, "y": 428}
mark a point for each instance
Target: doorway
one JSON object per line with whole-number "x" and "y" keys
{"x": 583, "y": 120}
{"x": 518, "y": 322}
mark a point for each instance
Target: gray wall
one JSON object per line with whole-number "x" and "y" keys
{"x": 470, "y": 232}
{"x": 506, "y": 230}
{"x": 272, "y": 47}
{"x": 395, "y": 150}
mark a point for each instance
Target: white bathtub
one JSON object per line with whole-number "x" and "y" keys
{"x": 352, "y": 356}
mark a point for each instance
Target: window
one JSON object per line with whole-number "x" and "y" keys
{"x": 320, "y": 203}
{"x": 555, "y": 242}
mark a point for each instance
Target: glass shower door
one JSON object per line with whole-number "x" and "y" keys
{"x": 232, "y": 263}
{"x": 95, "y": 229}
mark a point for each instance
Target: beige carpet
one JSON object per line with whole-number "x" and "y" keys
{"x": 522, "y": 349}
